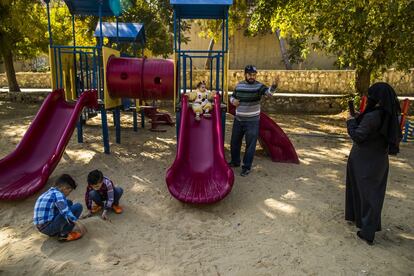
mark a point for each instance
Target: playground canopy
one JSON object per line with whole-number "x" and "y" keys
{"x": 127, "y": 32}
{"x": 91, "y": 7}
{"x": 201, "y": 9}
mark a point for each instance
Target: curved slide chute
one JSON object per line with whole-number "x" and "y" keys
{"x": 26, "y": 170}
{"x": 274, "y": 140}
{"x": 200, "y": 173}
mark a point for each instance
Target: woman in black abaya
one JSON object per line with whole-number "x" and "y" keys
{"x": 375, "y": 134}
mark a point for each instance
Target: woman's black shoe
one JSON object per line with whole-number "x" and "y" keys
{"x": 359, "y": 234}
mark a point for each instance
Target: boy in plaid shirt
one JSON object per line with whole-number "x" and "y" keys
{"x": 102, "y": 191}
{"x": 54, "y": 215}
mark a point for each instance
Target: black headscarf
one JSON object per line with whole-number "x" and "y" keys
{"x": 381, "y": 96}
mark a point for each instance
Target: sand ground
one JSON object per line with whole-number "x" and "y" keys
{"x": 283, "y": 219}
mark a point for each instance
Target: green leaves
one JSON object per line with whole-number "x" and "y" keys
{"x": 371, "y": 34}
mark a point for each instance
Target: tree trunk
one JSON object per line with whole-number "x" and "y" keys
{"x": 210, "y": 48}
{"x": 362, "y": 80}
{"x": 7, "y": 56}
{"x": 285, "y": 57}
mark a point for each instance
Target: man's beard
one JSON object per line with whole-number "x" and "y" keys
{"x": 250, "y": 80}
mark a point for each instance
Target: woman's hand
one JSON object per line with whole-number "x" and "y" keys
{"x": 350, "y": 117}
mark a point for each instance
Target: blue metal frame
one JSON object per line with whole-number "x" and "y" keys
{"x": 87, "y": 60}
{"x": 201, "y": 9}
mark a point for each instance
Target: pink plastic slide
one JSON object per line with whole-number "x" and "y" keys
{"x": 26, "y": 170}
{"x": 274, "y": 140}
{"x": 200, "y": 173}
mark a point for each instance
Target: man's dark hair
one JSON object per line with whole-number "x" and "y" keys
{"x": 94, "y": 177}
{"x": 201, "y": 83}
{"x": 67, "y": 181}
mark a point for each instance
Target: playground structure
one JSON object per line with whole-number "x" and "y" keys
{"x": 100, "y": 78}
{"x": 200, "y": 173}
{"x": 406, "y": 126}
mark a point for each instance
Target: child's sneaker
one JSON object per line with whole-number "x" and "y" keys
{"x": 117, "y": 209}
{"x": 95, "y": 209}
{"x": 72, "y": 236}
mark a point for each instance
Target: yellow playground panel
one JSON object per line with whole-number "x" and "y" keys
{"x": 109, "y": 102}
{"x": 68, "y": 82}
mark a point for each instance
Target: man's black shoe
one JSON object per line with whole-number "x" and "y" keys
{"x": 232, "y": 165}
{"x": 245, "y": 172}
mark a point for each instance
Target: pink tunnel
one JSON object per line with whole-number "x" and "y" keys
{"x": 140, "y": 78}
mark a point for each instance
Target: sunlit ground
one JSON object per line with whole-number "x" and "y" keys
{"x": 282, "y": 219}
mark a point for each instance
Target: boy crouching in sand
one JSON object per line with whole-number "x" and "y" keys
{"x": 102, "y": 192}
{"x": 54, "y": 215}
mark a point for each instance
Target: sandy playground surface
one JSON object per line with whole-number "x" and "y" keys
{"x": 283, "y": 219}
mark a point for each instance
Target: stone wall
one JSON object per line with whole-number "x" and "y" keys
{"x": 295, "y": 81}
{"x": 318, "y": 104}
{"x": 19, "y": 97}
{"x": 29, "y": 79}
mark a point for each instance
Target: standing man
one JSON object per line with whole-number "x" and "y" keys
{"x": 246, "y": 98}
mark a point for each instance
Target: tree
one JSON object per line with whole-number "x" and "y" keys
{"x": 20, "y": 33}
{"x": 213, "y": 28}
{"x": 368, "y": 35}
{"x": 157, "y": 16}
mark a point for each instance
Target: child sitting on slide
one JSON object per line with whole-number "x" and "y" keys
{"x": 200, "y": 100}
{"x": 102, "y": 192}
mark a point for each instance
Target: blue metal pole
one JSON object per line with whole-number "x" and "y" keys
{"x": 142, "y": 118}
{"x": 406, "y": 131}
{"x": 80, "y": 129}
{"x": 94, "y": 70}
{"x": 55, "y": 51}
{"x": 49, "y": 28}
{"x": 223, "y": 124}
{"x": 135, "y": 120}
{"x": 217, "y": 73}
{"x": 184, "y": 74}
{"x": 60, "y": 69}
{"x": 81, "y": 72}
{"x": 191, "y": 74}
{"x": 100, "y": 81}
{"x": 87, "y": 73}
{"x": 211, "y": 73}
{"x": 105, "y": 131}
{"x": 117, "y": 122}
{"x": 178, "y": 124}
{"x": 117, "y": 33}
{"x": 74, "y": 55}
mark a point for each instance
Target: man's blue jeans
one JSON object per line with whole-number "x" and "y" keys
{"x": 99, "y": 200}
{"x": 249, "y": 129}
{"x": 59, "y": 225}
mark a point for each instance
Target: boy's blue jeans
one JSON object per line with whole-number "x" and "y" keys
{"x": 249, "y": 129}
{"x": 99, "y": 200}
{"x": 59, "y": 225}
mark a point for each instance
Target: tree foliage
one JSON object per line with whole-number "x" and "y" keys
{"x": 368, "y": 35}
{"x": 237, "y": 20}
